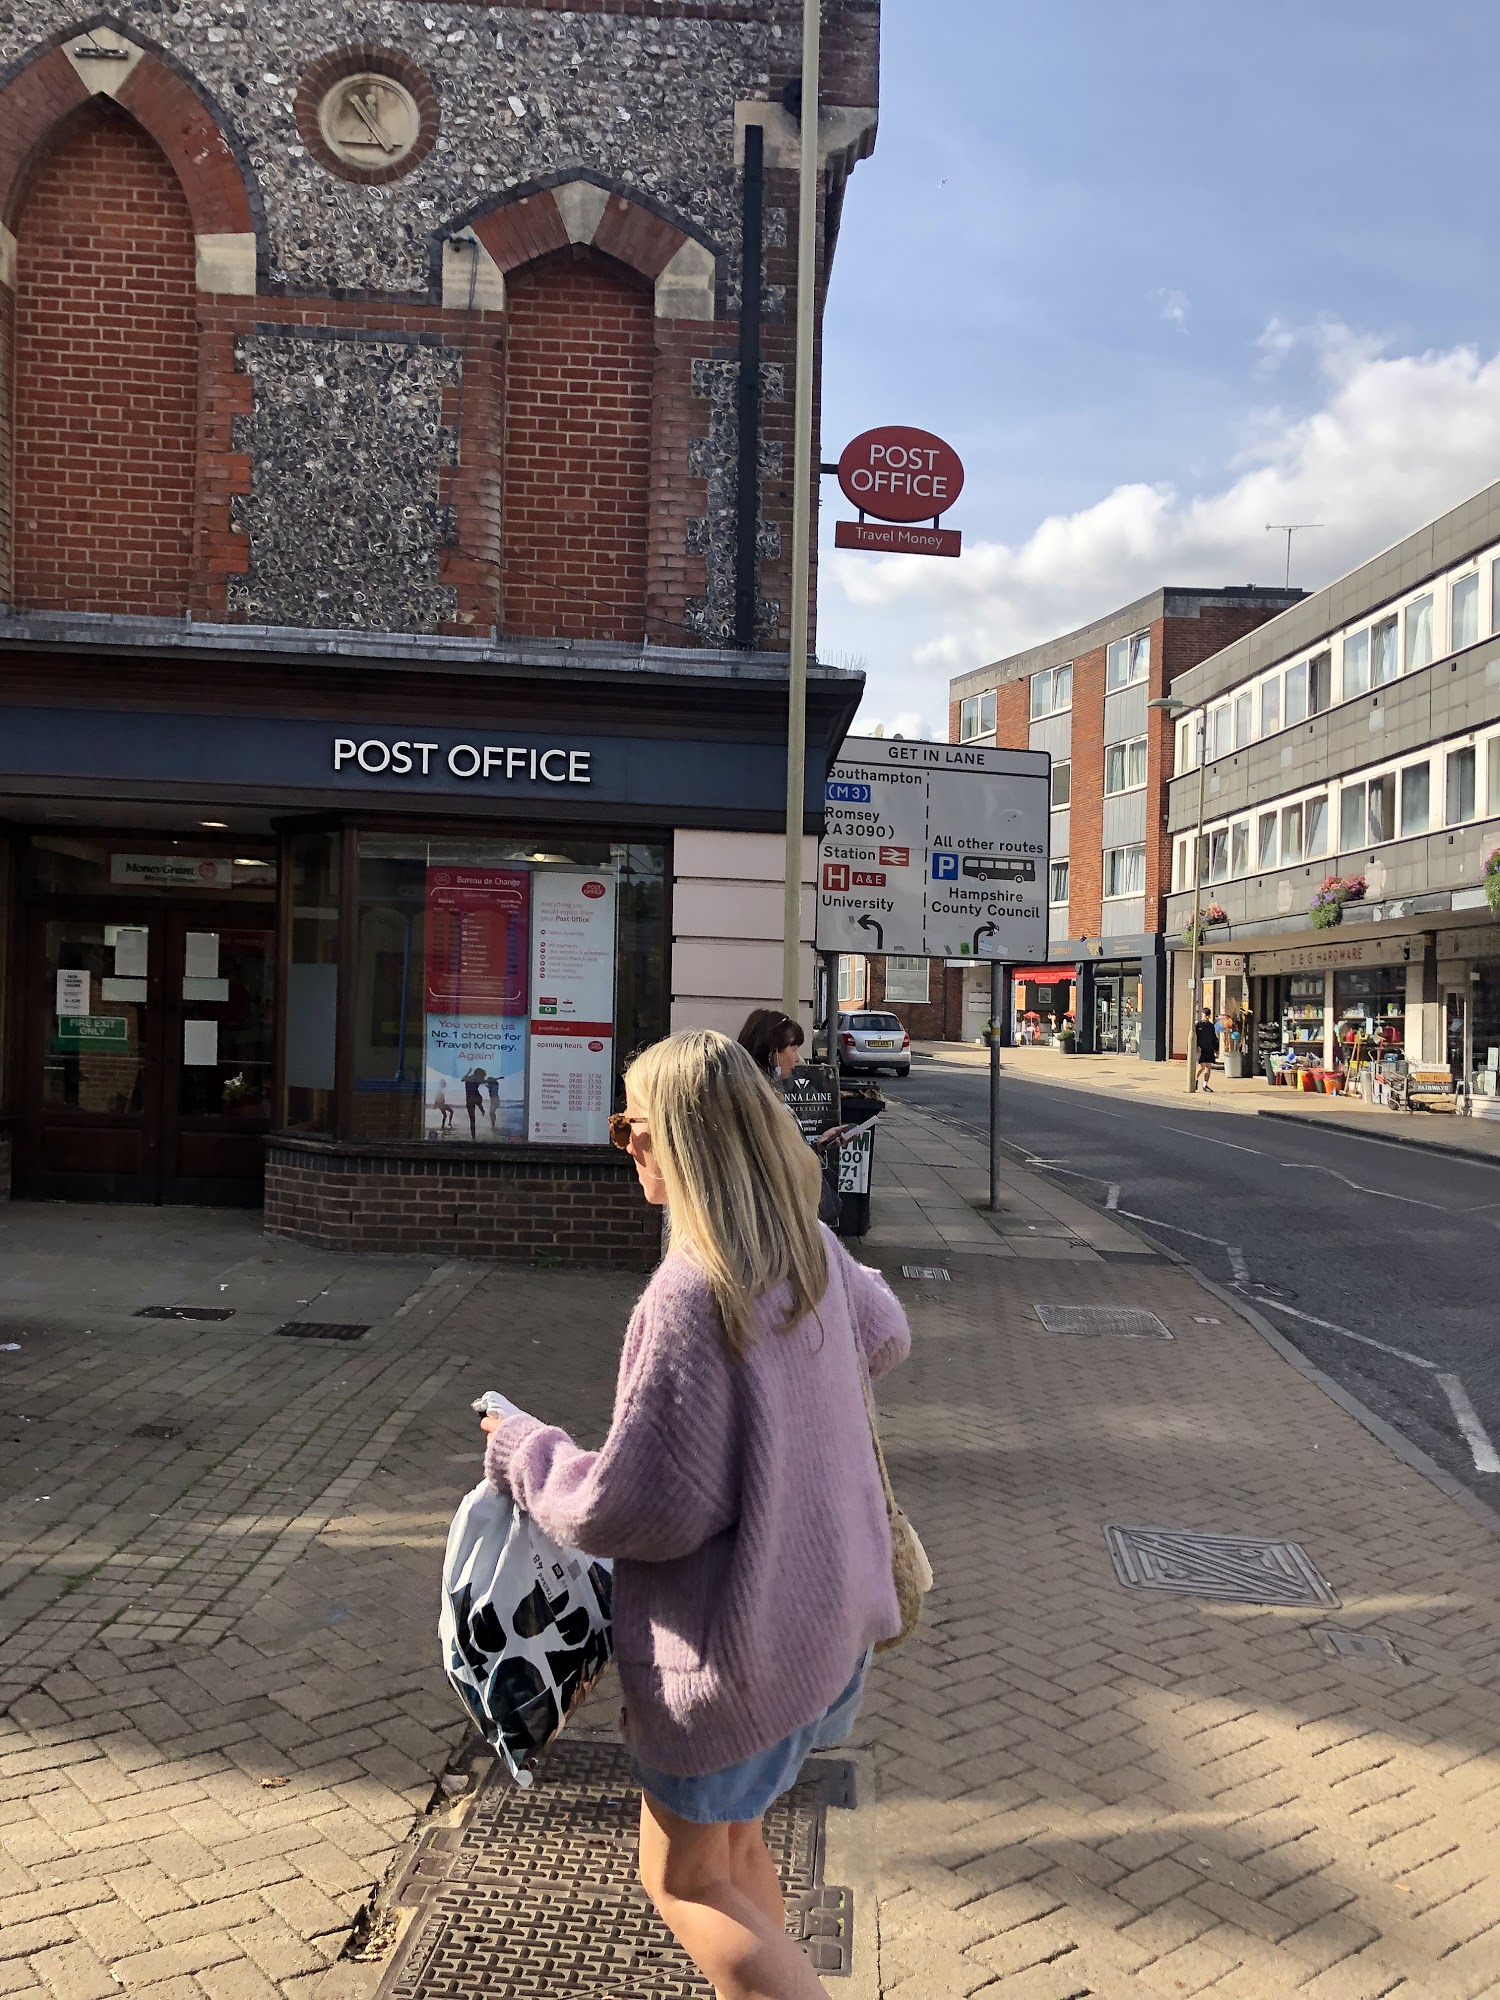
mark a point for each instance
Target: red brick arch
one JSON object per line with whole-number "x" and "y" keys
{"x": 524, "y": 224}
{"x": 46, "y": 89}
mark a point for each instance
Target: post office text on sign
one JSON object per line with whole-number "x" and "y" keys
{"x": 511, "y": 763}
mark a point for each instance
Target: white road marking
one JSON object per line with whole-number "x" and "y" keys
{"x": 1348, "y": 1333}
{"x": 1232, "y": 1251}
{"x": 1233, "y": 1148}
{"x": 1486, "y": 1458}
{"x": 1313, "y": 1167}
{"x": 1238, "y": 1265}
{"x": 1112, "y": 1199}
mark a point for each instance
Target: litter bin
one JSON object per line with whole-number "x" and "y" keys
{"x": 857, "y": 1160}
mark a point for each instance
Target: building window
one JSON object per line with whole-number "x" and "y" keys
{"x": 1357, "y": 664}
{"x": 1125, "y": 766}
{"x": 1319, "y": 683}
{"x": 1351, "y": 818}
{"x": 1416, "y": 797}
{"x": 976, "y": 716}
{"x": 1244, "y": 719}
{"x": 1239, "y": 848}
{"x": 1270, "y": 706}
{"x": 1460, "y": 805}
{"x": 1057, "y": 882}
{"x": 1465, "y": 612}
{"x": 1492, "y": 796}
{"x": 1052, "y": 691}
{"x": 907, "y": 980}
{"x": 1127, "y": 661}
{"x": 1315, "y": 823}
{"x": 1218, "y": 854}
{"x": 1296, "y": 693}
{"x": 1062, "y": 784}
{"x": 1218, "y": 731}
{"x": 1495, "y": 596}
{"x": 1419, "y": 633}
{"x": 1125, "y": 871}
{"x": 1265, "y": 841}
{"x": 1291, "y": 835}
{"x": 1382, "y": 808}
{"x": 1189, "y": 731}
{"x": 1383, "y": 666}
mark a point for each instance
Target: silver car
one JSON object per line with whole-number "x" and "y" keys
{"x": 871, "y": 1041}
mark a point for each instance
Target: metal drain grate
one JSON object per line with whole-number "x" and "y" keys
{"x": 930, "y": 1272}
{"x": 322, "y": 1329}
{"x": 185, "y": 1312}
{"x": 536, "y": 1894}
{"x": 1373, "y": 1647}
{"x": 1234, "y": 1569}
{"x": 1103, "y": 1322}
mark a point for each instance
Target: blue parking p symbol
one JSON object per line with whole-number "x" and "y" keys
{"x": 944, "y": 867}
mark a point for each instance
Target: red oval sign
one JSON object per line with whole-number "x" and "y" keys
{"x": 593, "y": 889}
{"x": 898, "y": 474}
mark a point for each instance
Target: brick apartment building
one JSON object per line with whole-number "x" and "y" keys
{"x": 1084, "y": 697}
{"x": 395, "y": 501}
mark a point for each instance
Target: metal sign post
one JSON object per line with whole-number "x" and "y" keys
{"x": 997, "y": 1002}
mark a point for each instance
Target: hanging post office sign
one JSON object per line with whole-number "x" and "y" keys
{"x": 936, "y": 850}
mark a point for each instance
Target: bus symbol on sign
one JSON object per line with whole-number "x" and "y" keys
{"x": 895, "y": 857}
{"x": 868, "y": 879}
{"x": 848, "y": 795}
{"x": 944, "y": 867}
{"x": 836, "y": 876}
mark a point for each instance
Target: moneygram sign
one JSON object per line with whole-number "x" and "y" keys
{"x": 935, "y": 850}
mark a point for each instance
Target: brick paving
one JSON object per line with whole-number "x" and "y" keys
{"x": 225, "y": 1714}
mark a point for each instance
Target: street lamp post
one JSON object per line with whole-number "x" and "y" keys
{"x": 1172, "y": 707}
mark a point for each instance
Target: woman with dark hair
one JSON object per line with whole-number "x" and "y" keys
{"x": 775, "y": 1040}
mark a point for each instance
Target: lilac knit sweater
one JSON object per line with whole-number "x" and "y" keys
{"x": 743, "y": 1508}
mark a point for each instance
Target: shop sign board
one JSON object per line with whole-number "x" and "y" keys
{"x": 1323, "y": 957}
{"x": 170, "y": 871}
{"x": 886, "y": 538}
{"x": 1225, "y": 964}
{"x": 572, "y": 1005}
{"x": 935, "y": 850}
{"x": 900, "y": 474}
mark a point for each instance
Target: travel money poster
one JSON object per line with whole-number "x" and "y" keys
{"x": 475, "y": 983}
{"x": 572, "y": 1059}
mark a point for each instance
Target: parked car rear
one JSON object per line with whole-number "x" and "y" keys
{"x": 871, "y": 1041}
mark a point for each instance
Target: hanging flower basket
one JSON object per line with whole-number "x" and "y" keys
{"x": 1492, "y": 881}
{"x": 1327, "y": 908}
{"x": 1210, "y": 919}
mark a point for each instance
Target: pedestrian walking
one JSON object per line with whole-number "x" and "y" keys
{"x": 1206, "y": 1035}
{"x": 737, "y": 1492}
{"x": 775, "y": 1041}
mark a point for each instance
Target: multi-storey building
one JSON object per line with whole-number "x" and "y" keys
{"x": 1357, "y": 737}
{"x": 1085, "y": 698}
{"x": 395, "y": 501}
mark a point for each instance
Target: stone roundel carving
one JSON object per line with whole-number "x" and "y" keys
{"x": 367, "y": 114}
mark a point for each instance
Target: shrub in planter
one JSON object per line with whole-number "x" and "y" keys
{"x": 1328, "y": 905}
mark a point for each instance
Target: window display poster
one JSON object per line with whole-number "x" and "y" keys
{"x": 476, "y": 941}
{"x": 476, "y": 1077}
{"x": 572, "y": 1006}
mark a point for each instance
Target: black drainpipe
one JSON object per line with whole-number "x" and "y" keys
{"x": 752, "y": 260}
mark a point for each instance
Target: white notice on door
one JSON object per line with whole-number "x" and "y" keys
{"x": 200, "y": 1044}
{"x": 130, "y": 951}
{"x": 72, "y": 991}
{"x": 202, "y": 960}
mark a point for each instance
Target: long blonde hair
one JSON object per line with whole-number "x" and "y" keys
{"x": 742, "y": 1185}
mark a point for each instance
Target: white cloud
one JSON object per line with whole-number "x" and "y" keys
{"x": 1175, "y": 307}
{"x": 1397, "y": 440}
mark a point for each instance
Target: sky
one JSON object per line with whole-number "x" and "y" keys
{"x": 1162, "y": 272}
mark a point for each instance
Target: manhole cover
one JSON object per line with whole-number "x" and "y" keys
{"x": 939, "y": 1272}
{"x": 1236, "y": 1569}
{"x": 185, "y": 1312}
{"x": 1373, "y": 1647}
{"x": 537, "y": 1893}
{"x": 1120, "y": 1322}
{"x": 161, "y": 1432}
{"x": 322, "y": 1329}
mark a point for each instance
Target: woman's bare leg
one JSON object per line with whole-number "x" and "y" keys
{"x": 754, "y": 1871}
{"x": 688, "y": 1873}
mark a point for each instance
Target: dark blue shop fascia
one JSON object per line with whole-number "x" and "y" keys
{"x": 302, "y": 760}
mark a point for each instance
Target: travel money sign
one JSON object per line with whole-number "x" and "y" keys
{"x": 936, "y": 850}
{"x": 901, "y": 476}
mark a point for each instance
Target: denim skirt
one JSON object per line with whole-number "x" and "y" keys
{"x": 746, "y": 1791}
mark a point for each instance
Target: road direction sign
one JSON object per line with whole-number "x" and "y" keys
{"x": 935, "y": 850}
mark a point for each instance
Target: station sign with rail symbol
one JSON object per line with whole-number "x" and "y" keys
{"x": 936, "y": 850}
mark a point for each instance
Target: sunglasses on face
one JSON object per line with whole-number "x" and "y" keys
{"x": 621, "y": 1132}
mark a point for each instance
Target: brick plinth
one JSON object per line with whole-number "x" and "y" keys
{"x": 574, "y": 1206}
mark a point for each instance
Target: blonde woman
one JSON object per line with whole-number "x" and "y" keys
{"x": 738, "y": 1494}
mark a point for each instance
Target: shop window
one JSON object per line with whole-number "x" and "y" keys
{"x": 1369, "y": 1013}
{"x": 1218, "y": 854}
{"x": 312, "y": 981}
{"x": 502, "y": 985}
{"x": 1319, "y": 683}
{"x": 1265, "y": 841}
{"x": 1125, "y": 871}
{"x": 1315, "y": 827}
{"x": 1296, "y": 693}
{"x": 1302, "y": 1017}
{"x": 1291, "y": 835}
{"x": 1062, "y": 785}
{"x": 1357, "y": 663}
{"x": 1352, "y": 800}
{"x": 976, "y": 716}
{"x": 1244, "y": 719}
{"x": 1125, "y": 766}
{"x": 1464, "y": 609}
{"x": 1383, "y": 665}
{"x": 1416, "y": 801}
{"x": 1052, "y": 691}
{"x": 1127, "y": 661}
{"x": 1382, "y": 808}
{"x": 1460, "y": 786}
{"x": 1270, "y": 706}
{"x": 1419, "y": 633}
{"x": 1057, "y": 882}
{"x": 1239, "y": 848}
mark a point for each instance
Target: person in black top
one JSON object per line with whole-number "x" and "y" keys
{"x": 1206, "y": 1036}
